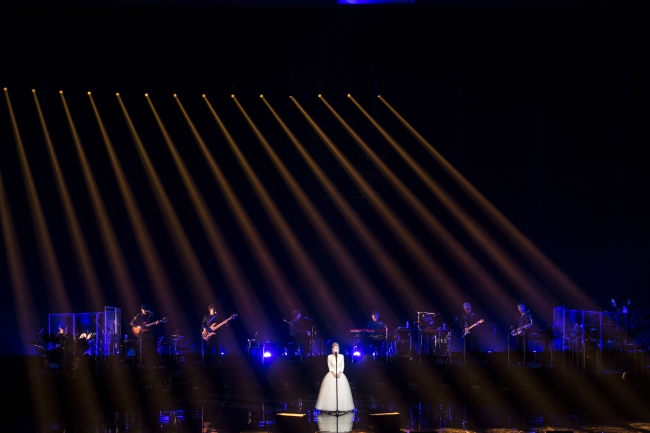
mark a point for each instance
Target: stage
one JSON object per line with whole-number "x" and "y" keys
{"x": 241, "y": 394}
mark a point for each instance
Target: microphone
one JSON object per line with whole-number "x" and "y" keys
{"x": 286, "y": 321}
{"x": 41, "y": 331}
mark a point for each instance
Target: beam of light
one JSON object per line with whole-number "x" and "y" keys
{"x": 520, "y": 279}
{"x": 119, "y": 270}
{"x": 355, "y": 278}
{"x": 245, "y": 298}
{"x": 546, "y": 268}
{"x": 90, "y": 281}
{"x": 161, "y": 284}
{"x": 385, "y": 263}
{"x": 193, "y": 270}
{"x": 324, "y": 296}
{"x": 422, "y": 258}
{"x": 491, "y": 290}
{"x": 46, "y": 406}
{"x": 58, "y": 297}
{"x": 283, "y": 294}
{"x": 56, "y": 287}
{"x": 121, "y": 276}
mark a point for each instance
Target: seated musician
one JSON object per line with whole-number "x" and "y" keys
{"x": 211, "y": 346}
{"x": 375, "y": 323}
{"x": 372, "y": 345}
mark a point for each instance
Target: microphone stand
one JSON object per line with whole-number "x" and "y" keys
{"x": 336, "y": 377}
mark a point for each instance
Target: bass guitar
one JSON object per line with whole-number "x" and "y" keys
{"x": 519, "y": 331}
{"x": 470, "y": 327}
{"x": 213, "y": 328}
{"x": 139, "y": 330}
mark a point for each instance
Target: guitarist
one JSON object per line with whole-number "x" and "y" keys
{"x": 468, "y": 319}
{"x": 211, "y": 346}
{"x": 521, "y": 329}
{"x": 145, "y": 338}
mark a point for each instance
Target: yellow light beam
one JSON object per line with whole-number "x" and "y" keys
{"x": 89, "y": 279}
{"x": 520, "y": 279}
{"x": 121, "y": 275}
{"x": 310, "y": 275}
{"x": 57, "y": 291}
{"x": 385, "y": 263}
{"x": 153, "y": 266}
{"x": 361, "y": 287}
{"x": 253, "y": 315}
{"x": 283, "y": 294}
{"x": 481, "y": 278}
{"x": 193, "y": 270}
{"x": 557, "y": 278}
{"x": 45, "y": 404}
{"x": 58, "y": 297}
{"x": 422, "y": 258}
{"x": 322, "y": 293}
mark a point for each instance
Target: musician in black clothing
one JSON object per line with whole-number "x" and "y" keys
{"x": 375, "y": 323}
{"x": 373, "y": 341}
{"x": 145, "y": 346}
{"x": 521, "y": 329}
{"x": 470, "y": 340}
{"x": 211, "y": 346}
{"x": 299, "y": 330}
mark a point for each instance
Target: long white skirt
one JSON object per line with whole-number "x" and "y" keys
{"x": 327, "y": 395}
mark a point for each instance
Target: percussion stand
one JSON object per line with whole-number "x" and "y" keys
{"x": 311, "y": 343}
{"x": 508, "y": 345}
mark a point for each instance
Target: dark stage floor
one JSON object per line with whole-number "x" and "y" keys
{"x": 245, "y": 395}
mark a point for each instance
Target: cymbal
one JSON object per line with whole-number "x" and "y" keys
{"x": 34, "y": 342}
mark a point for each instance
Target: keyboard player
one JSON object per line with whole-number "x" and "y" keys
{"x": 373, "y": 342}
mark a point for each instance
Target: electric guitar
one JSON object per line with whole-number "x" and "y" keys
{"x": 139, "y": 330}
{"x": 470, "y": 327}
{"x": 213, "y": 328}
{"x": 520, "y": 331}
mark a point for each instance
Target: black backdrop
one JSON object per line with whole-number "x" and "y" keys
{"x": 545, "y": 110}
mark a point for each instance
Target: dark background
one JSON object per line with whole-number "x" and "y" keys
{"x": 544, "y": 109}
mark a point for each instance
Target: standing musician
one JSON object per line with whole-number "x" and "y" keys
{"x": 299, "y": 330}
{"x": 467, "y": 320}
{"x": 141, "y": 331}
{"x": 521, "y": 329}
{"x": 211, "y": 346}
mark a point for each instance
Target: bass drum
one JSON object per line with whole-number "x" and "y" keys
{"x": 442, "y": 344}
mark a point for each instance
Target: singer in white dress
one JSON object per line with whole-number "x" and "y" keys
{"x": 335, "y": 379}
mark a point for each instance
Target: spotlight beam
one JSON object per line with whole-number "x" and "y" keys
{"x": 121, "y": 276}
{"x": 58, "y": 297}
{"x": 186, "y": 254}
{"x": 481, "y": 278}
{"x": 156, "y": 272}
{"x": 283, "y": 293}
{"x": 557, "y": 278}
{"x": 519, "y": 278}
{"x": 324, "y": 296}
{"x": 362, "y": 287}
{"x": 243, "y": 294}
{"x": 423, "y": 259}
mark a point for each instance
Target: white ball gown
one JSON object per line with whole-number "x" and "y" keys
{"x": 327, "y": 395}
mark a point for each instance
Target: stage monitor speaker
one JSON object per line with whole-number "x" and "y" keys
{"x": 388, "y": 422}
{"x": 286, "y": 422}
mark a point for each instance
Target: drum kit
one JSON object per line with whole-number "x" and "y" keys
{"x": 433, "y": 341}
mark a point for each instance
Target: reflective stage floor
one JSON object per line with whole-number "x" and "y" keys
{"x": 241, "y": 395}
